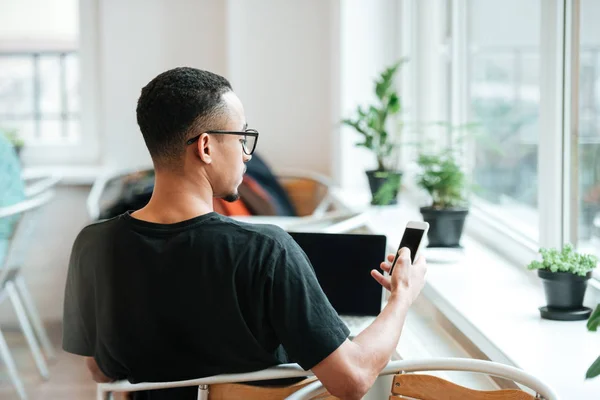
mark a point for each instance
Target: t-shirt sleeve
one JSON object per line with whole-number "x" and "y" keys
{"x": 79, "y": 320}
{"x": 305, "y": 322}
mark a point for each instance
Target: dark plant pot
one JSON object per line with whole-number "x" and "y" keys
{"x": 384, "y": 195}
{"x": 564, "y": 291}
{"x": 445, "y": 226}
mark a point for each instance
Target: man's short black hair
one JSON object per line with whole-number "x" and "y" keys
{"x": 174, "y": 104}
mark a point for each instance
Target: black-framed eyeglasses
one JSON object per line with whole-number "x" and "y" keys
{"x": 248, "y": 142}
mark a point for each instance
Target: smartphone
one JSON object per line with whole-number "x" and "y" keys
{"x": 413, "y": 238}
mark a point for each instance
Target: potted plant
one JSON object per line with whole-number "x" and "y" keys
{"x": 372, "y": 123}
{"x": 564, "y": 274}
{"x": 445, "y": 182}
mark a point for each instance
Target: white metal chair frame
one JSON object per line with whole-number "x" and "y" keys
{"x": 283, "y": 371}
{"x": 104, "y": 390}
{"x": 543, "y": 391}
{"x": 13, "y": 286}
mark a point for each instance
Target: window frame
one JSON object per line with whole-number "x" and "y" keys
{"x": 86, "y": 151}
{"x": 37, "y": 115}
{"x": 558, "y": 124}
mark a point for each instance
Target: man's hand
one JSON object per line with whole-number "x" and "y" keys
{"x": 407, "y": 280}
{"x": 350, "y": 370}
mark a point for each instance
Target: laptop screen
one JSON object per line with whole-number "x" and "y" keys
{"x": 343, "y": 264}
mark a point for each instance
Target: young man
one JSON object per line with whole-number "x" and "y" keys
{"x": 175, "y": 291}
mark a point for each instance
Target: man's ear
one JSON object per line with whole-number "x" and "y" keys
{"x": 205, "y": 148}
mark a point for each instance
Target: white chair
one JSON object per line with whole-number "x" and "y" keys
{"x": 423, "y": 387}
{"x": 12, "y": 284}
{"x": 283, "y": 371}
{"x": 427, "y": 387}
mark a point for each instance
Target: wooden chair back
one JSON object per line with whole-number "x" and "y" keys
{"x": 427, "y": 387}
{"x": 305, "y": 194}
{"x": 228, "y": 391}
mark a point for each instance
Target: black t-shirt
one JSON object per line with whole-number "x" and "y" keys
{"x": 206, "y": 296}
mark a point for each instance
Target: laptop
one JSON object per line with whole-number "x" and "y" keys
{"x": 343, "y": 264}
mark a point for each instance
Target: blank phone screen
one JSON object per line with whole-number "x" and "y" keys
{"x": 411, "y": 239}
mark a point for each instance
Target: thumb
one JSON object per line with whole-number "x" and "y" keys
{"x": 405, "y": 254}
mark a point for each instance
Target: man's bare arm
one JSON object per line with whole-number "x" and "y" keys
{"x": 351, "y": 370}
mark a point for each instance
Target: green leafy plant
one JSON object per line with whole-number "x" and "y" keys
{"x": 371, "y": 121}
{"x": 387, "y": 191}
{"x": 565, "y": 260}
{"x": 443, "y": 178}
{"x": 592, "y": 324}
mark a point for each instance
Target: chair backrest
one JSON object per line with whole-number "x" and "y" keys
{"x": 12, "y": 191}
{"x": 430, "y": 388}
{"x": 24, "y": 217}
{"x": 417, "y": 386}
{"x": 282, "y": 371}
{"x": 427, "y": 387}
{"x": 308, "y": 191}
{"x": 264, "y": 176}
{"x": 304, "y": 194}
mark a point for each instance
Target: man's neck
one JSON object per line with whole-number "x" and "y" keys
{"x": 175, "y": 199}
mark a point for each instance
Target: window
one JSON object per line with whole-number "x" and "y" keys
{"x": 589, "y": 128}
{"x": 42, "y": 54}
{"x": 527, "y": 72}
{"x": 39, "y": 96}
{"x": 503, "y": 99}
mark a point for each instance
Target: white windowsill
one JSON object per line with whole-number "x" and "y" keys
{"x": 495, "y": 304}
{"x": 71, "y": 175}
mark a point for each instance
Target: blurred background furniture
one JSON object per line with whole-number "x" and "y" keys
{"x": 20, "y": 202}
{"x": 293, "y": 197}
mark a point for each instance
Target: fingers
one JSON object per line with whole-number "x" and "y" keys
{"x": 403, "y": 258}
{"x": 405, "y": 255}
{"x": 382, "y": 280}
{"x": 385, "y": 266}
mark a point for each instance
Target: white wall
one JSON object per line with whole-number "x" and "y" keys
{"x": 277, "y": 55}
{"x": 368, "y": 46}
{"x": 280, "y": 58}
{"x": 137, "y": 40}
